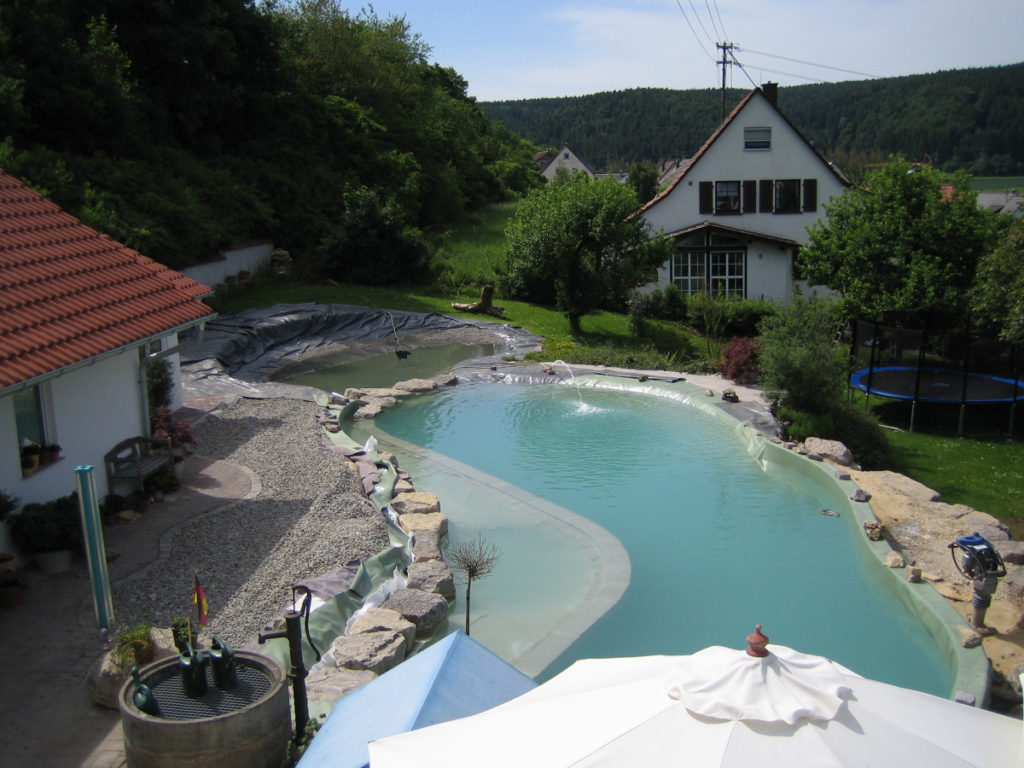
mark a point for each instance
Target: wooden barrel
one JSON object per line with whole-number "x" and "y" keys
{"x": 248, "y": 727}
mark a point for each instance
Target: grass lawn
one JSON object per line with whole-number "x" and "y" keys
{"x": 997, "y": 183}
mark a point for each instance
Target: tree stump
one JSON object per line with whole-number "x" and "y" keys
{"x": 485, "y": 306}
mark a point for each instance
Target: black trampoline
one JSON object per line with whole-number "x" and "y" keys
{"x": 958, "y": 368}
{"x": 937, "y": 385}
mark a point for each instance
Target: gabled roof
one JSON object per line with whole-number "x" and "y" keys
{"x": 742, "y": 233}
{"x": 721, "y": 129}
{"x": 69, "y": 294}
{"x": 546, "y": 158}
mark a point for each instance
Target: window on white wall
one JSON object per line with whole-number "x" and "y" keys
{"x": 727, "y": 197}
{"x": 757, "y": 138}
{"x": 28, "y": 416}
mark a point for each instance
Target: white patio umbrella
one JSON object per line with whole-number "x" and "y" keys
{"x": 717, "y": 707}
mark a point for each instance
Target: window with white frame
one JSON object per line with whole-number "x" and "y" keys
{"x": 726, "y": 276}
{"x": 688, "y": 271}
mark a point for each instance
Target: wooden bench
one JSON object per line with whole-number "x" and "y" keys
{"x": 135, "y": 459}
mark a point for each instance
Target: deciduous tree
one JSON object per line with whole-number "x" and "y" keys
{"x": 575, "y": 244}
{"x": 905, "y": 244}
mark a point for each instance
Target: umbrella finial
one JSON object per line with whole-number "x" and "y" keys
{"x": 756, "y": 643}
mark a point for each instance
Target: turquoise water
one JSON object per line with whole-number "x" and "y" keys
{"x": 716, "y": 544}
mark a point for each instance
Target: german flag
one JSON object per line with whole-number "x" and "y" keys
{"x": 199, "y": 601}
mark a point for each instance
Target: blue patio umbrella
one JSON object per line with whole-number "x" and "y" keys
{"x": 455, "y": 677}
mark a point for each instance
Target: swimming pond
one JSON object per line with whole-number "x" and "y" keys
{"x": 715, "y": 542}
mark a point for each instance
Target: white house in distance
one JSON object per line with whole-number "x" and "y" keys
{"x": 550, "y": 163}
{"x": 739, "y": 210}
{"x": 79, "y": 316}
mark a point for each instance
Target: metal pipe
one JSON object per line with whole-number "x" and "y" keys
{"x": 297, "y": 673}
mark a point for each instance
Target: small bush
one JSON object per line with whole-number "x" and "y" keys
{"x": 855, "y": 429}
{"x": 637, "y": 324}
{"x": 739, "y": 360}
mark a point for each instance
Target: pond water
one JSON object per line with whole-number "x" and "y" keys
{"x": 716, "y": 541}
{"x": 377, "y": 368}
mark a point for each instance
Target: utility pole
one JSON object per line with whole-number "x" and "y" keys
{"x": 725, "y": 48}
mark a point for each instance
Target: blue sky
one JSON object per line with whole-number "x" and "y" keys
{"x": 515, "y": 49}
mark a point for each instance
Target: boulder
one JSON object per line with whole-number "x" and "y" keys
{"x": 873, "y": 530}
{"x": 1012, "y": 552}
{"x": 415, "y": 522}
{"x": 833, "y": 450}
{"x": 426, "y": 610}
{"x": 380, "y": 620}
{"x": 914, "y": 575}
{"x": 432, "y": 576}
{"x": 417, "y": 503}
{"x": 426, "y": 545}
{"x": 416, "y": 385}
{"x": 860, "y": 495}
{"x": 908, "y": 487}
{"x": 895, "y": 560}
{"x": 376, "y": 651}
{"x": 403, "y": 486}
{"x": 730, "y": 396}
{"x": 330, "y": 684}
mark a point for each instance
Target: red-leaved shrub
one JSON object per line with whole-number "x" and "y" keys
{"x": 739, "y": 360}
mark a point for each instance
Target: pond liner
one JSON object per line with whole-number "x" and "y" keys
{"x": 238, "y": 354}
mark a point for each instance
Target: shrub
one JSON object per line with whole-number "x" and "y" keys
{"x": 857, "y": 430}
{"x": 800, "y": 366}
{"x": 739, "y": 360}
{"x": 637, "y": 324}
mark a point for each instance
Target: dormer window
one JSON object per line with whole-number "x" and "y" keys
{"x": 757, "y": 138}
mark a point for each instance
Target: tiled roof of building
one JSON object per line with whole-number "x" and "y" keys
{"x": 68, "y": 293}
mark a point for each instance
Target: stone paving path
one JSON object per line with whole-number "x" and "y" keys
{"x": 48, "y": 644}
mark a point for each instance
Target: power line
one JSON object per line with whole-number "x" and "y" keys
{"x": 808, "y": 63}
{"x": 696, "y": 37}
{"x": 702, "y": 28}
{"x": 711, "y": 17}
{"x": 720, "y": 22}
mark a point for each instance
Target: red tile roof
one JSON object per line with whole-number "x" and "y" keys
{"x": 68, "y": 293}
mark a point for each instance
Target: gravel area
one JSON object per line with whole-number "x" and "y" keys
{"x": 308, "y": 518}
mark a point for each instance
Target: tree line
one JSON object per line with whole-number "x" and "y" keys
{"x": 959, "y": 120}
{"x": 181, "y": 128}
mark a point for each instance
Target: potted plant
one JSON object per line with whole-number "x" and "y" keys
{"x": 179, "y": 432}
{"x": 8, "y": 503}
{"x": 160, "y": 483}
{"x": 50, "y": 453}
{"x": 30, "y": 453}
{"x": 12, "y": 588}
{"x": 50, "y": 531}
{"x": 181, "y": 631}
{"x": 133, "y": 647}
{"x": 139, "y": 501}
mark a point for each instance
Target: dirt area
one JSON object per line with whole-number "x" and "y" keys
{"x": 921, "y": 527}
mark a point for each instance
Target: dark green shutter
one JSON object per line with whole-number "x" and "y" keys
{"x": 767, "y": 195}
{"x": 750, "y": 196}
{"x": 810, "y": 195}
{"x": 707, "y": 197}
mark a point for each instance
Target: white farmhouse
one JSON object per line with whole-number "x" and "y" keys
{"x": 740, "y": 209}
{"x": 79, "y": 316}
{"x": 550, "y": 163}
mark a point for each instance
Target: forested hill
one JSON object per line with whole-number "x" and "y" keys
{"x": 971, "y": 119}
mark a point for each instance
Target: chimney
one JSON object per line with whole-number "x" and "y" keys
{"x": 771, "y": 92}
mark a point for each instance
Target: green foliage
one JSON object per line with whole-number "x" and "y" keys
{"x": 801, "y": 368}
{"x": 572, "y": 244}
{"x": 132, "y": 646}
{"x": 48, "y": 527}
{"x": 857, "y": 430}
{"x": 962, "y": 119}
{"x": 666, "y": 304}
{"x": 183, "y": 128}
{"x": 158, "y": 383}
{"x": 997, "y": 298}
{"x": 643, "y": 178}
{"x": 905, "y": 245}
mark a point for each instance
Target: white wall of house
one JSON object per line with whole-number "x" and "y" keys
{"x": 87, "y": 411}
{"x": 727, "y": 160}
{"x": 247, "y": 258}
{"x": 568, "y": 160}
